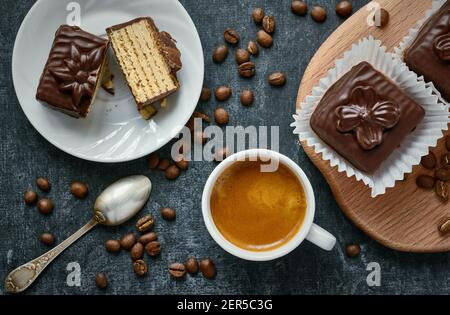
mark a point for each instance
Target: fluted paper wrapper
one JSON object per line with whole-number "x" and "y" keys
{"x": 413, "y": 147}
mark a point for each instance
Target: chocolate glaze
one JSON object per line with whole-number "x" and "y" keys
{"x": 364, "y": 117}
{"x": 71, "y": 74}
{"x": 429, "y": 54}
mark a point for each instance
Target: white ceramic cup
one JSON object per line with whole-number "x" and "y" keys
{"x": 310, "y": 231}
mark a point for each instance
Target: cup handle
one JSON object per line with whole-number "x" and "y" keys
{"x": 321, "y": 237}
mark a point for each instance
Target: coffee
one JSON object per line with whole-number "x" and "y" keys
{"x": 258, "y": 211}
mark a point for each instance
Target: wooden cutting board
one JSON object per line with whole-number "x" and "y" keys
{"x": 405, "y": 218}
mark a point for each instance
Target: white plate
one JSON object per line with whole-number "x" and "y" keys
{"x": 113, "y": 130}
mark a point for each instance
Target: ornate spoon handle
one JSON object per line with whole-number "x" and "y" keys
{"x": 22, "y": 277}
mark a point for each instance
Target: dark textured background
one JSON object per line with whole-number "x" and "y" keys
{"x": 25, "y": 154}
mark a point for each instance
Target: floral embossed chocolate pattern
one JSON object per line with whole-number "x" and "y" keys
{"x": 367, "y": 116}
{"x": 442, "y": 47}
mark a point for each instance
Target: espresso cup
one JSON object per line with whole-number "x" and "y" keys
{"x": 309, "y": 231}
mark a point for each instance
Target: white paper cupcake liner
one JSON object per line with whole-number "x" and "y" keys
{"x": 412, "y": 34}
{"x": 413, "y": 147}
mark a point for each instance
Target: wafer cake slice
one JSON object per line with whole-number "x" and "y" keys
{"x": 149, "y": 60}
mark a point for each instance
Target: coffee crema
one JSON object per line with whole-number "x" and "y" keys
{"x": 258, "y": 211}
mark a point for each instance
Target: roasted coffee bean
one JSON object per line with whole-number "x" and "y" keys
{"x": 177, "y": 270}
{"x": 47, "y": 239}
{"x": 182, "y": 164}
{"x": 220, "y": 54}
{"x": 425, "y": 182}
{"x": 221, "y": 154}
{"x": 258, "y": 15}
{"x": 101, "y": 281}
{"x": 79, "y": 190}
{"x": 147, "y": 238}
{"x": 247, "y": 69}
{"x": 299, "y": 7}
{"x": 127, "y": 241}
{"x": 30, "y": 197}
{"x": 140, "y": 267}
{"x": 447, "y": 143}
{"x": 45, "y": 206}
{"x": 277, "y": 79}
{"x": 137, "y": 251}
{"x": 247, "y": 97}
{"x": 252, "y": 48}
{"x": 163, "y": 164}
{"x": 43, "y": 184}
{"x": 205, "y": 96}
{"x": 221, "y": 116}
{"x": 353, "y": 250}
{"x": 442, "y": 174}
{"x": 191, "y": 265}
{"x": 202, "y": 116}
{"x": 429, "y": 161}
{"x": 319, "y": 14}
{"x": 264, "y": 39}
{"x": 223, "y": 93}
{"x": 242, "y": 56}
{"x": 444, "y": 226}
{"x": 445, "y": 160}
{"x": 112, "y": 246}
{"x": 344, "y": 9}
{"x": 168, "y": 214}
{"x": 145, "y": 223}
{"x": 381, "y": 18}
{"x": 269, "y": 24}
{"x": 231, "y": 36}
{"x": 153, "y": 248}
{"x": 172, "y": 172}
{"x": 153, "y": 160}
{"x": 208, "y": 268}
{"x": 442, "y": 190}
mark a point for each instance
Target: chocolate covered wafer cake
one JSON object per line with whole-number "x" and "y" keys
{"x": 149, "y": 60}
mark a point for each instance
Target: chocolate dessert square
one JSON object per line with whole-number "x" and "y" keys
{"x": 429, "y": 54}
{"x": 364, "y": 117}
{"x": 73, "y": 71}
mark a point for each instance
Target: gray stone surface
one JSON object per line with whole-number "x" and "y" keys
{"x": 24, "y": 154}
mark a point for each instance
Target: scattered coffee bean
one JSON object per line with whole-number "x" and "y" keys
{"x": 299, "y": 7}
{"x": 252, "y": 48}
{"x": 163, "y": 164}
{"x": 177, "y": 270}
{"x": 147, "y": 238}
{"x": 447, "y": 143}
{"x": 344, "y": 9}
{"x": 172, "y": 172}
{"x": 425, "y": 182}
{"x": 153, "y": 160}
{"x": 381, "y": 18}
{"x": 442, "y": 174}
{"x": 221, "y": 116}
{"x": 153, "y": 248}
{"x": 269, "y": 24}
{"x": 429, "y": 161}
{"x": 231, "y": 36}
{"x": 127, "y": 241}
{"x": 101, "y": 281}
{"x": 220, "y": 54}
{"x": 208, "y": 268}
{"x": 182, "y": 164}
{"x": 137, "y": 251}
{"x": 140, "y": 268}
{"x": 200, "y": 137}
{"x": 191, "y": 265}
{"x": 442, "y": 190}
{"x": 445, "y": 160}
{"x": 47, "y": 239}
{"x": 221, "y": 154}
{"x": 264, "y": 39}
{"x": 79, "y": 190}
{"x": 319, "y": 14}
{"x": 242, "y": 56}
{"x": 30, "y": 197}
{"x": 202, "y": 116}
{"x": 258, "y": 15}
{"x": 223, "y": 93}
{"x": 45, "y": 206}
{"x": 277, "y": 79}
{"x": 205, "y": 96}
{"x": 43, "y": 184}
{"x": 247, "y": 69}
{"x": 112, "y": 246}
{"x": 168, "y": 214}
{"x": 353, "y": 250}
{"x": 444, "y": 226}
{"x": 145, "y": 223}
{"x": 247, "y": 97}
